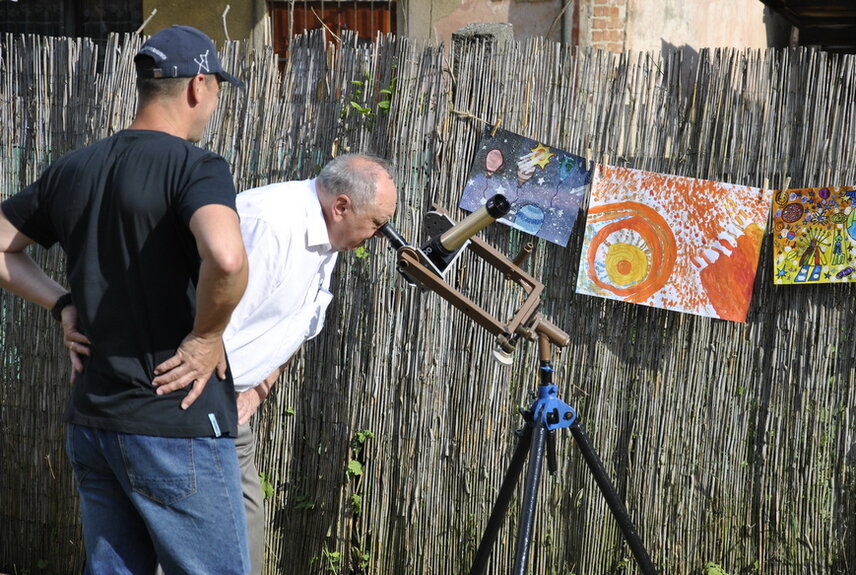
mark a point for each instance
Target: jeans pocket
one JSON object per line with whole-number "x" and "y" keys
{"x": 159, "y": 468}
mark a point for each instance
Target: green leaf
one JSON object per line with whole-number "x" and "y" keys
{"x": 267, "y": 485}
{"x": 362, "y": 436}
{"x": 355, "y": 468}
{"x": 711, "y": 568}
{"x": 361, "y": 109}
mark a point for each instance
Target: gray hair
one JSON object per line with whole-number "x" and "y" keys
{"x": 354, "y": 175}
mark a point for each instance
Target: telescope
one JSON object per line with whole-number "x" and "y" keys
{"x": 426, "y": 267}
{"x": 448, "y": 239}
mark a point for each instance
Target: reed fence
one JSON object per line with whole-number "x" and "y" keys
{"x": 387, "y": 439}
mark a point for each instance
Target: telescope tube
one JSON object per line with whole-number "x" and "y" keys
{"x": 457, "y": 235}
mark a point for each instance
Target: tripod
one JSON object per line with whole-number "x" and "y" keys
{"x": 425, "y": 267}
{"x": 538, "y": 439}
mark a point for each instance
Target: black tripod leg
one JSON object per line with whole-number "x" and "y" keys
{"x": 616, "y": 505}
{"x": 552, "y": 461}
{"x": 500, "y": 507}
{"x": 530, "y": 498}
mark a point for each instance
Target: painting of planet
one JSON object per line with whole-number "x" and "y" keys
{"x": 545, "y": 186}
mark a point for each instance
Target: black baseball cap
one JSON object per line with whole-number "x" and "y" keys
{"x": 182, "y": 52}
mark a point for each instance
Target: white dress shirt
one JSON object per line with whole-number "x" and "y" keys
{"x": 288, "y": 290}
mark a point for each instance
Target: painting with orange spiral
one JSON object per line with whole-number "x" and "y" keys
{"x": 672, "y": 242}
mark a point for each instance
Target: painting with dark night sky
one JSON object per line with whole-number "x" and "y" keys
{"x": 545, "y": 186}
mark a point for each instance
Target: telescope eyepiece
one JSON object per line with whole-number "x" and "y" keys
{"x": 390, "y": 233}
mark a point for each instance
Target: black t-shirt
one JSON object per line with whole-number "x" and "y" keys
{"x": 121, "y": 209}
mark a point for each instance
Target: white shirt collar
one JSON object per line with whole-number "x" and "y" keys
{"x": 316, "y": 226}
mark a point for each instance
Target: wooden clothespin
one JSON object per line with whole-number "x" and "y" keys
{"x": 495, "y": 127}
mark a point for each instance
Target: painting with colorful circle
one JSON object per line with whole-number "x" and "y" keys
{"x": 545, "y": 186}
{"x": 814, "y": 236}
{"x": 672, "y": 242}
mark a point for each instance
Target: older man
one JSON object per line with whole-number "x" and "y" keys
{"x": 293, "y": 232}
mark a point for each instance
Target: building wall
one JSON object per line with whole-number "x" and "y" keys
{"x": 529, "y": 18}
{"x": 241, "y": 19}
{"x": 603, "y": 24}
{"x": 654, "y": 24}
{"x": 613, "y": 25}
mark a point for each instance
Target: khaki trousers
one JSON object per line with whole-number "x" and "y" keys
{"x": 254, "y": 501}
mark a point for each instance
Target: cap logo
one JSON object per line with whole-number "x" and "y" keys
{"x": 154, "y": 51}
{"x": 202, "y": 62}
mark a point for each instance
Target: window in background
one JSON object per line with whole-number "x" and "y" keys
{"x": 363, "y": 17}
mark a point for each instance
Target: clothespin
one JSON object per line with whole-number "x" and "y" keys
{"x": 495, "y": 127}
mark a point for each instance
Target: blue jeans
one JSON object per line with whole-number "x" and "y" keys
{"x": 146, "y": 499}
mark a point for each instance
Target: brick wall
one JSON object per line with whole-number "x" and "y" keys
{"x": 601, "y": 24}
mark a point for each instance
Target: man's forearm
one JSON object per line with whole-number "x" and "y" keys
{"x": 20, "y": 275}
{"x": 218, "y": 292}
{"x": 263, "y": 388}
{"x": 223, "y": 270}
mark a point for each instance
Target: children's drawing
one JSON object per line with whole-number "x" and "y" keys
{"x": 671, "y": 242}
{"x": 814, "y": 236}
{"x": 545, "y": 186}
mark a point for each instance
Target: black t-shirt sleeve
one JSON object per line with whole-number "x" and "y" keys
{"x": 25, "y": 211}
{"x": 210, "y": 183}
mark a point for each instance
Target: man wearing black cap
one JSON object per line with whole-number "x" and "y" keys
{"x": 155, "y": 266}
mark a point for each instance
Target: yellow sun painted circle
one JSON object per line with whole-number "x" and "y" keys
{"x": 626, "y": 264}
